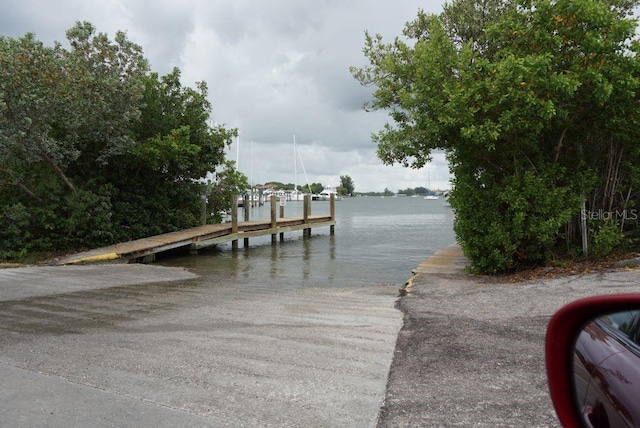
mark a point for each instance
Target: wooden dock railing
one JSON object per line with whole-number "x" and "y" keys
{"x": 196, "y": 238}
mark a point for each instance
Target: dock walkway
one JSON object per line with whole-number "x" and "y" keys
{"x": 195, "y": 238}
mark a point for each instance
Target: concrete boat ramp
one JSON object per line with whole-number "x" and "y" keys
{"x": 145, "y": 345}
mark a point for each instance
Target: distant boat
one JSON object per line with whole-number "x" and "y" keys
{"x": 253, "y": 198}
{"x": 446, "y": 199}
{"x": 297, "y": 195}
{"x": 325, "y": 195}
{"x": 431, "y": 195}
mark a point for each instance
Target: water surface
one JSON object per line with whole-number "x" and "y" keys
{"x": 376, "y": 241}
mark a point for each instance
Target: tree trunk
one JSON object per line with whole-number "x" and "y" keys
{"x": 58, "y": 171}
{"x": 21, "y": 185}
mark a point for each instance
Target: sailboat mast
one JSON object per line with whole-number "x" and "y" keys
{"x": 295, "y": 168}
{"x": 238, "y": 151}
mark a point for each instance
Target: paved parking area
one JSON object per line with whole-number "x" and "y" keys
{"x": 471, "y": 351}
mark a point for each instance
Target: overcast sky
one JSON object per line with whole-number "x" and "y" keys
{"x": 274, "y": 68}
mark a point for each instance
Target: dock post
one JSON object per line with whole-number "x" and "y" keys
{"x": 332, "y": 211}
{"x": 306, "y": 212}
{"x": 274, "y": 221}
{"x": 234, "y": 220}
{"x": 245, "y": 209}
{"x": 281, "y": 216}
{"x": 203, "y": 210}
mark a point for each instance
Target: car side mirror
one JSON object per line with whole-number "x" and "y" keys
{"x": 592, "y": 353}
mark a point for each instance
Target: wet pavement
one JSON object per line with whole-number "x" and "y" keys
{"x": 137, "y": 345}
{"x": 146, "y": 345}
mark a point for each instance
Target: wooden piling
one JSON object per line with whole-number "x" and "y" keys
{"x": 274, "y": 220}
{"x": 245, "y": 208}
{"x": 203, "y": 210}
{"x": 282, "y": 216}
{"x": 234, "y": 221}
{"x": 306, "y": 213}
{"x": 332, "y": 212}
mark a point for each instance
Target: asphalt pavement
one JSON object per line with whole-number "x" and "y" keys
{"x": 146, "y": 345}
{"x": 471, "y": 350}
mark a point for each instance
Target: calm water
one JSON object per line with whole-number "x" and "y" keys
{"x": 376, "y": 241}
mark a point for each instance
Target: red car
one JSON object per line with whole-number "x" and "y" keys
{"x": 593, "y": 362}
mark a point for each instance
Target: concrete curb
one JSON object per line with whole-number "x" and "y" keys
{"x": 94, "y": 259}
{"x": 447, "y": 260}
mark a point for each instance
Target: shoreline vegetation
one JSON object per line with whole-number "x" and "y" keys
{"x": 535, "y": 105}
{"x": 99, "y": 149}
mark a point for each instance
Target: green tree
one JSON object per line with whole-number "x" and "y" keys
{"x": 421, "y": 190}
{"x": 159, "y": 183}
{"x": 346, "y": 183}
{"x": 109, "y": 87}
{"x": 536, "y": 111}
{"x": 466, "y": 22}
{"x": 94, "y": 148}
{"x": 315, "y": 188}
{"x": 409, "y": 191}
{"x": 228, "y": 182}
{"x": 63, "y": 114}
{"x": 37, "y": 95}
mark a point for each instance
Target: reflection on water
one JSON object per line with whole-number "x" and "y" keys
{"x": 376, "y": 241}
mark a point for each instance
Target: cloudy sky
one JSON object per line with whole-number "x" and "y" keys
{"x": 274, "y": 68}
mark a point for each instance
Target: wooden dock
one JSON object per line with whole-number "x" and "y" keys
{"x": 145, "y": 249}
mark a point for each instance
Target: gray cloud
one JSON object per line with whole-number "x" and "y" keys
{"x": 274, "y": 68}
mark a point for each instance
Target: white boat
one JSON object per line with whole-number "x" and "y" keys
{"x": 325, "y": 195}
{"x": 295, "y": 195}
{"x": 446, "y": 199}
{"x": 431, "y": 195}
{"x": 253, "y": 198}
{"x": 267, "y": 193}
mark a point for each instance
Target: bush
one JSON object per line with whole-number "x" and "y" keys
{"x": 512, "y": 223}
{"x": 14, "y": 231}
{"x": 88, "y": 220}
{"x": 606, "y": 236}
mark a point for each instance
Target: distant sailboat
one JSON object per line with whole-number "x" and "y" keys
{"x": 430, "y": 195}
{"x": 297, "y": 195}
